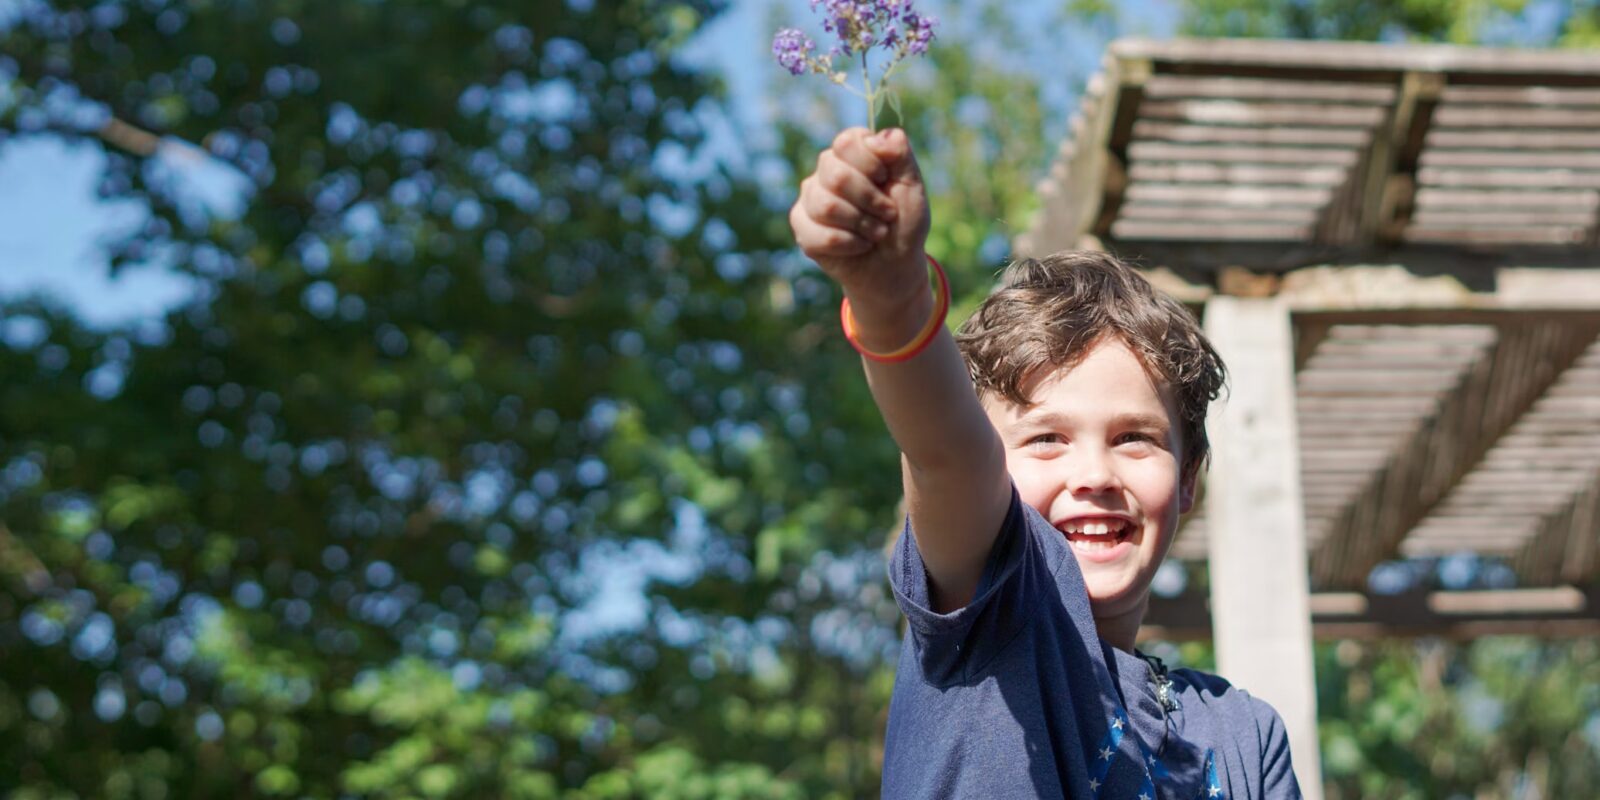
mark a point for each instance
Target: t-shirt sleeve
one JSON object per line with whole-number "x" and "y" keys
{"x": 1277, "y": 771}
{"x": 956, "y": 645}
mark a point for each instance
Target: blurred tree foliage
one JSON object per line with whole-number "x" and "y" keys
{"x": 490, "y": 317}
{"x": 491, "y": 327}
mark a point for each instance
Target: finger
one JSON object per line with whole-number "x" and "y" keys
{"x": 843, "y": 179}
{"x": 827, "y": 208}
{"x": 851, "y": 147}
{"x": 893, "y": 149}
{"x": 820, "y": 241}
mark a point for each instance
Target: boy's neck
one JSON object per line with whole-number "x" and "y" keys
{"x": 1122, "y": 631}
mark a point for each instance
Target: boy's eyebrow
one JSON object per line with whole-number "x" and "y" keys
{"x": 1048, "y": 418}
{"x": 1143, "y": 421}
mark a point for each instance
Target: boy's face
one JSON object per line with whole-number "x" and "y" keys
{"x": 1098, "y": 455}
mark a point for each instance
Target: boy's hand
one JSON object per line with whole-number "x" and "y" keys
{"x": 863, "y": 216}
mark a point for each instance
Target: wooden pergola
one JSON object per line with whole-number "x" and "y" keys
{"x": 1397, "y": 250}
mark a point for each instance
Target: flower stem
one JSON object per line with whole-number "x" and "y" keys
{"x": 866, "y": 80}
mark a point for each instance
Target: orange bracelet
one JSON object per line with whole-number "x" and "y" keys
{"x": 925, "y": 337}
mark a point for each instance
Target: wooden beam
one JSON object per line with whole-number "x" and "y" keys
{"x": 1134, "y": 74}
{"x": 1074, "y": 194}
{"x": 1199, "y": 259}
{"x": 1391, "y": 181}
{"x": 1558, "y": 611}
{"x": 1255, "y": 523}
{"x": 1361, "y": 62}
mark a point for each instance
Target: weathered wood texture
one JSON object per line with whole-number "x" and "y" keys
{"x": 1258, "y": 556}
{"x": 1478, "y": 435}
{"x": 1379, "y": 145}
{"x": 1432, "y": 216}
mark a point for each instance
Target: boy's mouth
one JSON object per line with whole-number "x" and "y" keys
{"x": 1096, "y": 535}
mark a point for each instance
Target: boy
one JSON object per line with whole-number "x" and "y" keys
{"x": 1048, "y": 449}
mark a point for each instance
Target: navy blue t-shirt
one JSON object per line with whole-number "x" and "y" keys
{"x": 1015, "y": 695}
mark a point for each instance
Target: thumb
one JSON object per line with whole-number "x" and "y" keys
{"x": 893, "y": 148}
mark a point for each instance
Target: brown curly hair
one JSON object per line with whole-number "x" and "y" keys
{"x": 1050, "y": 312}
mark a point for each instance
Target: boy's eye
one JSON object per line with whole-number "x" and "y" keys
{"x": 1140, "y": 438}
{"x": 1044, "y": 439}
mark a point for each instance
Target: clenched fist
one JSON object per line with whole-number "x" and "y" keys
{"x": 863, "y": 217}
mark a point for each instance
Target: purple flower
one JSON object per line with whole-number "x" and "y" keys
{"x": 919, "y": 31}
{"x": 792, "y": 49}
{"x": 859, "y": 26}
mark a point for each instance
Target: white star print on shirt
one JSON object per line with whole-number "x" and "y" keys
{"x": 1106, "y": 754}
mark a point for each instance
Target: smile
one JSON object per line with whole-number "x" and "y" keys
{"x": 1098, "y": 538}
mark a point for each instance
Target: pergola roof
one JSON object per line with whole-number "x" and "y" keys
{"x": 1331, "y": 144}
{"x": 1448, "y": 403}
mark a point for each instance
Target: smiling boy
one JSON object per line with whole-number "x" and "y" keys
{"x": 1048, "y": 450}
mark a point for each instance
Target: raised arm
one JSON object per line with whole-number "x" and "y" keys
{"x": 863, "y": 216}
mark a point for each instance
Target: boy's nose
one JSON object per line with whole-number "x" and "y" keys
{"x": 1092, "y": 474}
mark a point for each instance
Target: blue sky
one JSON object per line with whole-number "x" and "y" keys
{"x": 53, "y": 228}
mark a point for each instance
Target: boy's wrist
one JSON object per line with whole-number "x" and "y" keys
{"x": 892, "y": 313}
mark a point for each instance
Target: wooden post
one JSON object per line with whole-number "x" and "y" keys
{"x": 1259, "y": 587}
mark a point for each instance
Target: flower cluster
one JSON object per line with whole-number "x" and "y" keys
{"x": 859, "y": 25}
{"x": 793, "y": 51}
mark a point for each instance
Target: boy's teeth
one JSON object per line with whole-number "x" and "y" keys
{"x": 1091, "y": 545}
{"x": 1095, "y": 528}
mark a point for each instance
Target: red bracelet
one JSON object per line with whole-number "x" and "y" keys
{"x": 925, "y": 337}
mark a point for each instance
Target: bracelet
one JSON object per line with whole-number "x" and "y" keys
{"x": 925, "y": 337}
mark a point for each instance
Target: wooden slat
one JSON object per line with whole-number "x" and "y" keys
{"x": 1500, "y": 117}
{"x": 1508, "y": 159}
{"x": 1294, "y": 216}
{"x": 1545, "y": 235}
{"x": 1521, "y": 95}
{"x": 1483, "y": 198}
{"x": 1399, "y": 335}
{"x": 1164, "y": 151}
{"x": 1471, "y": 218}
{"x": 1142, "y": 230}
{"x": 1278, "y": 135}
{"x": 1183, "y": 86}
{"x": 1234, "y": 112}
{"x": 1239, "y": 173}
{"x": 1514, "y": 140}
{"x": 1226, "y": 195}
{"x": 1505, "y": 178}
